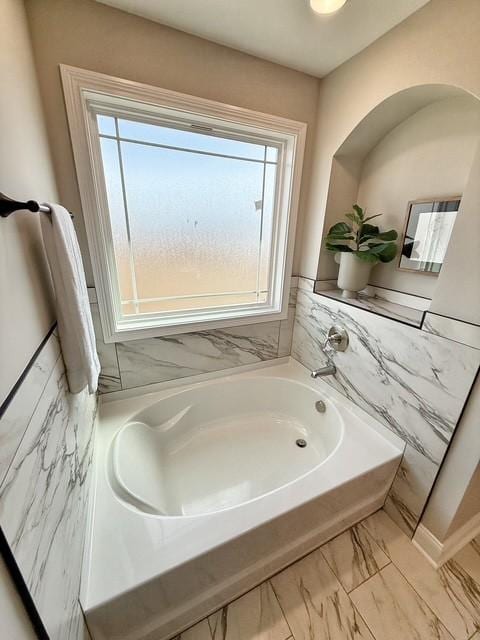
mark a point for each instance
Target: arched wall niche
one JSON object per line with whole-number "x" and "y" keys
{"x": 457, "y": 113}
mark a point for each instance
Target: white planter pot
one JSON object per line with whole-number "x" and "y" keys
{"x": 353, "y": 275}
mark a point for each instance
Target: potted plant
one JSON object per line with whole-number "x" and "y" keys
{"x": 359, "y": 247}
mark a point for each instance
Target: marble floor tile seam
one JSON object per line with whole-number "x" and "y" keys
{"x": 428, "y": 615}
{"x": 475, "y": 633}
{"x": 384, "y": 549}
{"x": 450, "y": 591}
{"x": 364, "y": 583}
{"x": 269, "y": 580}
{"x": 474, "y": 636}
{"x": 347, "y": 591}
{"x": 223, "y": 610}
{"x": 452, "y": 560}
{"x": 359, "y": 614}
{"x": 280, "y": 605}
{"x": 339, "y": 589}
{"x": 366, "y": 557}
{"x": 232, "y": 617}
{"x": 468, "y": 558}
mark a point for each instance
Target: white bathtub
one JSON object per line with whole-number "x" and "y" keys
{"x": 209, "y": 448}
{"x": 205, "y": 490}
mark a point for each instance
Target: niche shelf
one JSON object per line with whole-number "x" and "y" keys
{"x": 376, "y": 166}
{"x": 382, "y": 302}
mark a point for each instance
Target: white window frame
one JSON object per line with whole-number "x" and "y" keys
{"x": 88, "y": 93}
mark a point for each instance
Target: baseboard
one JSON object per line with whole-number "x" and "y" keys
{"x": 436, "y": 552}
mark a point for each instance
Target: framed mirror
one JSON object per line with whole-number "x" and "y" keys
{"x": 426, "y": 235}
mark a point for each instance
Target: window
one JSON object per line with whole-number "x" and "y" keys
{"x": 189, "y": 206}
{"x": 191, "y": 215}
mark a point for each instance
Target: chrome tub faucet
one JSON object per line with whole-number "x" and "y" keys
{"x": 336, "y": 340}
{"x": 328, "y": 370}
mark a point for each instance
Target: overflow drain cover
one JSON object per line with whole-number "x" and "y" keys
{"x": 301, "y": 443}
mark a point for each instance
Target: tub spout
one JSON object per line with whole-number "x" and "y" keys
{"x": 328, "y": 370}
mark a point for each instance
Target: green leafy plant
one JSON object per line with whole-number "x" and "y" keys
{"x": 365, "y": 240}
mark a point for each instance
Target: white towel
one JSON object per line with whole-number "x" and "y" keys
{"x": 75, "y": 326}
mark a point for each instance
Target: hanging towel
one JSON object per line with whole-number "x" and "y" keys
{"x": 75, "y": 326}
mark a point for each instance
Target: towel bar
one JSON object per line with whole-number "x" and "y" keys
{"x": 9, "y": 206}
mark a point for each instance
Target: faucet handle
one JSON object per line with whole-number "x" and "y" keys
{"x": 336, "y": 339}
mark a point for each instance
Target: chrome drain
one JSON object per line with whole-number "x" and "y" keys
{"x": 320, "y": 406}
{"x": 301, "y": 443}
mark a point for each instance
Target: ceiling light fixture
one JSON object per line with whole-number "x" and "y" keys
{"x": 326, "y": 6}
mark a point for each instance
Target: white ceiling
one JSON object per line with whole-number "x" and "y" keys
{"x": 284, "y": 31}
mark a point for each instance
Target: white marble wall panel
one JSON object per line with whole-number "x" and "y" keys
{"x": 324, "y": 285}
{"x": 43, "y": 499}
{"x": 410, "y": 489}
{"x": 381, "y": 306}
{"x": 152, "y": 360}
{"x": 286, "y": 326}
{"x": 92, "y": 294}
{"x": 413, "y": 382}
{"x": 14, "y": 421}
{"x": 456, "y": 330}
{"x": 109, "y": 379}
{"x": 416, "y": 384}
{"x": 306, "y": 284}
{"x": 136, "y": 363}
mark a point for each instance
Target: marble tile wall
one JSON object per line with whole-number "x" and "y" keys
{"x": 414, "y": 382}
{"x": 463, "y": 332}
{"x": 137, "y": 363}
{"x": 46, "y": 438}
{"x": 15, "y": 420}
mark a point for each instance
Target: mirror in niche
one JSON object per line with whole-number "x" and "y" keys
{"x": 428, "y": 227}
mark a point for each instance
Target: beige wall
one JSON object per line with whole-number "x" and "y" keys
{"x": 458, "y": 288}
{"x": 26, "y": 310}
{"x": 438, "y": 44}
{"x": 86, "y": 34}
{"x": 430, "y": 154}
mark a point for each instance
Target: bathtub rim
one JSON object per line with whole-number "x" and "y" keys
{"x": 141, "y": 395}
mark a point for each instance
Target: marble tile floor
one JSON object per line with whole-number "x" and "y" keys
{"x": 369, "y": 583}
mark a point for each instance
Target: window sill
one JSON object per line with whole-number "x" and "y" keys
{"x": 131, "y": 332}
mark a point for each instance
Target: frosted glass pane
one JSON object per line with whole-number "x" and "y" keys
{"x": 106, "y": 125}
{"x": 189, "y": 140}
{"x": 272, "y": 154}
{"x": 194, "y": 222}
{"x": 129, "y": 309}
{"x": 188, "y": 304}
{"x": 267, "y": 227}
{"x": 111, "y": 167}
